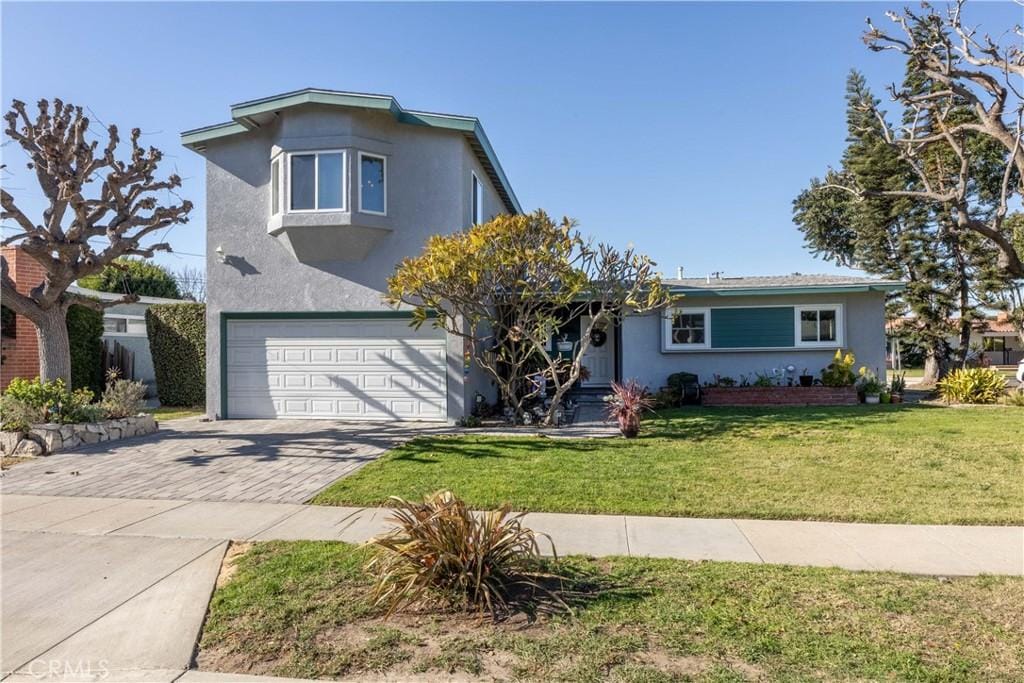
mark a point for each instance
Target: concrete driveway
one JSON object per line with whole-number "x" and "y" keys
{"x": 274, "y": 461}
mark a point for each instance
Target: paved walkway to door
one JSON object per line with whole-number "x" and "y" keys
{"x": 271, "y": 461}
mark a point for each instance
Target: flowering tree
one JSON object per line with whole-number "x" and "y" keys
{"x": 509, "y": 284}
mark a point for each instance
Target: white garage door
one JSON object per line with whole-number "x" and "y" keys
{"x": 365, "y": 369}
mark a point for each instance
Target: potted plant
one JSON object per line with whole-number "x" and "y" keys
{"x": 625, "y": 405}
{"x": 806, "y": 379}
{"x": 897, "y": 386}
{"x": 869, "y": 385}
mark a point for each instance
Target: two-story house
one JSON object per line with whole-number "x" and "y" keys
{"x": 313, "y": 197}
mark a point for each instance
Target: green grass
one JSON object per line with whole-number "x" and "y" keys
{"x": 300, "y": 609}
{"x": 908, "y": 464}
{"x": 163, "y": 414}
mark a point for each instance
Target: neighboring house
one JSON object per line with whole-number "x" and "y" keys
{"x": 313, "y": 198}
{"x": 126, "y": 325}
{"x": 998, "y": 341}
{"x": 20, "y": 345}
{"x": 994, "y": 341}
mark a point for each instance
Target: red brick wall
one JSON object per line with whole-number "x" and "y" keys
{"x": 779, "y": 396}
{"x": 21, "y": 355}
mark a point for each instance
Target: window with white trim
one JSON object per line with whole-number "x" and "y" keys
{"x": 478, "y": 201}
{"x": 124, "y": 325}
{"x": 316, "y": 181}
{"x": 819, "y": 325}
{"x": 687, "y": 328}
{"x": 373, "y": 191}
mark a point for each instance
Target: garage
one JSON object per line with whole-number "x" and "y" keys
{"x": 351, "y": 368}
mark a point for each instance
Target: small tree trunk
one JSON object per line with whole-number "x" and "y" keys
{"x": 54, "y": 345}
{"x": 965, "y": 343}
{"x": 932, "y": 368}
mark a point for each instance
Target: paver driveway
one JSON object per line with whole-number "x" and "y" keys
{"x": 281, "y": 461}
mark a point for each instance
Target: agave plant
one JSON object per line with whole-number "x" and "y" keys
{"x": 441, "y": 552}
{"x": 626, "y": 404}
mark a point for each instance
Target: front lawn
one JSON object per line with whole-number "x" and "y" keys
{"x": 908, "y": 464}
{"x": 300, "y": 609}
{"x": 165, "y": 413}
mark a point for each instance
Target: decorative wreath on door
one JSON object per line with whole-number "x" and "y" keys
{"x": 598, "y": 337}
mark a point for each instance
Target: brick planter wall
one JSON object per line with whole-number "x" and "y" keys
{"x": 779, "y": 396}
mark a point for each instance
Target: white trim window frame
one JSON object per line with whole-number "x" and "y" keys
{"x": 668, "y": 324}
{"x": 476, "y": 199}
{"x": 128, "y": 320}
{"x": 798, "y": 340}
{"x": 316, "y": 180}
{"x": 359, "y": 185}
{"x": 276, "y": 180}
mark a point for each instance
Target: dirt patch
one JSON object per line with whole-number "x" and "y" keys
{"x": 9, "y": 461}
{"x": 229, "y": 565}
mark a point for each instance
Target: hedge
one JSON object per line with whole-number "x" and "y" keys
{"x": 85, "y": 337}
{"x": 177, "y": 342}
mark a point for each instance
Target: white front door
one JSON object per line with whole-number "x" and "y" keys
{"x": 599, "y": 360}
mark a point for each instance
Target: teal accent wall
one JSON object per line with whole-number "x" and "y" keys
{"x": 741, "y": 328}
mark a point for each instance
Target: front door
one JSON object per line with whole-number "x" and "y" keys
{"x": 599, "y": 359}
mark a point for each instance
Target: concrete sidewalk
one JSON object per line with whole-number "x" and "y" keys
{"x": 917, "y": 549}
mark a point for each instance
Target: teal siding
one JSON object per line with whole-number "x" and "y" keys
{"x": 741, "y": 328}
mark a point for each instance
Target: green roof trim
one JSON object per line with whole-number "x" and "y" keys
{"x": 783, "y": 290}
{"x": 469, "y": 126}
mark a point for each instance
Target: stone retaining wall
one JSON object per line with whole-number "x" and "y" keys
{"x": 45, "y": 439}
{"x": 779, "y": 396}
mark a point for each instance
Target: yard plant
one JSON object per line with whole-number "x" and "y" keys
{"x": 29, "y": 401}
{"x": 906, "y": 463}
{"x": 440, "y": 552}
{"x": 973, "y": 385}
{"x": 626, "y": 404}
{"x": 177, "y": 341}
{"x": 508, "y": 286}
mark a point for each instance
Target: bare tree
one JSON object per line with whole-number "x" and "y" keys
{"x": 93, "y": 197}
{"x": 967, "y": 70}
{"x": 191, "y": 283}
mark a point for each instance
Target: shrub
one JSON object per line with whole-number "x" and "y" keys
{"x": 17, "y": 415}
{"x": 122, "y": 397}
{"x": 137, "y": 276}
{"x": 869, "y": 383}
{"x": 972, "y": 385}
{"x": 626, "y": 403}
{"x": 1015, "y": 398}
{"x": 839, "y": 372}
{"x": 177, "y": 341}
{"x": 666, "y": 398}
{"x": 85, "y": 335}
{"x": 441, "y": 552}
{"x": 54, "y": 401}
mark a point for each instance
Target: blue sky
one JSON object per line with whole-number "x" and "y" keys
{"x": 686, "y": 129}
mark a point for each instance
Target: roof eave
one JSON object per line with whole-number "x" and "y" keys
{"x": 469, "y": 126}
{"x": 789, "y": 290}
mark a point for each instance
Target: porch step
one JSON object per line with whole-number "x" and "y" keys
{"x": 589, "y": 395}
